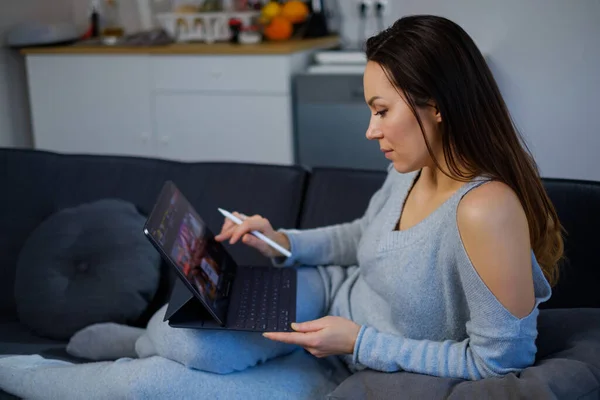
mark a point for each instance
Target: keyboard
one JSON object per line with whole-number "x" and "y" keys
{"x": 264, "y": 303}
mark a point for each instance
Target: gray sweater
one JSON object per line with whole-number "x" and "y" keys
{"x": 421, "y": 304}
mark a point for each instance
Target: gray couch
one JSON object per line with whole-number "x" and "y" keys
{"x": 37, "y": 184}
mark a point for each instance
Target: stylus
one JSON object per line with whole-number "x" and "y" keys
{"x": 259, "y": 235}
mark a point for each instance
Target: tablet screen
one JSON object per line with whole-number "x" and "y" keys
{"x": 185, "y": 239}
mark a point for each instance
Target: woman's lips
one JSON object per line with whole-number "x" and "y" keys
{"x": 386, "y": 152}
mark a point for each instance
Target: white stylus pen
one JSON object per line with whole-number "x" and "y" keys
{"x": 259, "y": 235}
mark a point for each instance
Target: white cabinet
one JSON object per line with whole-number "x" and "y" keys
{"x": 91, "y": 104}
{"x": 223, "y": 73}
{"x": 181, "y": 107}
{"x": 222, "y": 127}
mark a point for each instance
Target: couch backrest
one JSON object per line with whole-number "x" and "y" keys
{"x": 578, "y": 206}
{"x": 339, "y": 195}
{"x": 37, "y": 184}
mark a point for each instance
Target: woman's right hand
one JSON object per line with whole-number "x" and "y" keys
{"x": 235, "y": 232}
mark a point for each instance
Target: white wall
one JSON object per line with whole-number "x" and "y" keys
{"x": 15, "y": 126}
{"x": 545, "y": 55}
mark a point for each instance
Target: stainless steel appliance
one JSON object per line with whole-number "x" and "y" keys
{"x": 331, "y": 119}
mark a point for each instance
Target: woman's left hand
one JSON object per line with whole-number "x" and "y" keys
{"x": 323, "y": 337}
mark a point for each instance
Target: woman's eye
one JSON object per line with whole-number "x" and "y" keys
{"x": 381, "y": 113}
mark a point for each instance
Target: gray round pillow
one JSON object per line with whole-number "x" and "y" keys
{"x": 85, "y": 265}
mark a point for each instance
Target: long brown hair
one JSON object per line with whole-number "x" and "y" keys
{"x": 432, "y": 58}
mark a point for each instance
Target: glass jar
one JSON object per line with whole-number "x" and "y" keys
{"x": 112, "y": 29}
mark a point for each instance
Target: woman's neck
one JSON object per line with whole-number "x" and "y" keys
{"x": 433, "y": 179}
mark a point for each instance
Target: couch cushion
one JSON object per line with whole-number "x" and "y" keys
{"x": 84, "y": 265}
{"x": 337, "y": 195}
{"x": 578, "y": 206}
{"x": 40, "y": 183}
{"x": 567, "y": 367}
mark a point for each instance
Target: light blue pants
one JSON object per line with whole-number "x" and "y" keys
{"x": 188, "y": 363}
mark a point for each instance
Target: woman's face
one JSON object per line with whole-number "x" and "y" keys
{"x": 395, "y": 127}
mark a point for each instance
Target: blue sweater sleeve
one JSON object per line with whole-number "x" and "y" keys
{"x": 484, "y": 353}
{"x": 335, "y": 244}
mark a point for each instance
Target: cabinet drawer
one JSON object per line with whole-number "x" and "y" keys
{"x": 221, "y": 127}
{"x": 330, "y": 89}
{"x": 264, "y": 74}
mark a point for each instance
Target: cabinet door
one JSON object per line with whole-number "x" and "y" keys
{"x": 91, "y": 104}
{"x": 224, "y": 127}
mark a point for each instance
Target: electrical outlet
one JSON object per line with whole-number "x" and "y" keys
{"x": 381, "y": 7}
{"x": 364, "y": 8}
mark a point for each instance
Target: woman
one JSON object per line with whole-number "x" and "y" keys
{"x": 442, "y": 275}
{"x": 456, "y": 251}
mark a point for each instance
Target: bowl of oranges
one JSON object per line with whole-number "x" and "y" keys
{"x": 282, "y": 20}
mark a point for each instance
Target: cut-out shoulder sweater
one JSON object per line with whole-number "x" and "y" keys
{"x": 420, "y": 302}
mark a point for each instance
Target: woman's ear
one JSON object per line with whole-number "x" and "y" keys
{"x": 436, "y": 114}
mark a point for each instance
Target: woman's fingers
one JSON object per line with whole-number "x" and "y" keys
{"x": 228, "y": 224}
{"x": 254, "y": 223}
{"x": 234, "y": 232}
{"x": 253, "y": 241}
{"x": 240, "y": 216}
{"x": 228, "y": 227}
{"x": 226, "y": 231}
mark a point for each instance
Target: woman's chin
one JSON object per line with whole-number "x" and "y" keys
{"x": 404, "y": 168}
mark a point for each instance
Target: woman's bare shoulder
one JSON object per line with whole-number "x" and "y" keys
{"x": 495, "y": 233}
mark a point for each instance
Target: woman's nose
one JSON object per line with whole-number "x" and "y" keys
{"x": 373, "y": 133}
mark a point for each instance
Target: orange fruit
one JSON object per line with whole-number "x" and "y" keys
{"x": 270, "y": 10}
{"x": 279, "y": 29}
{"x": 295, "y": 11}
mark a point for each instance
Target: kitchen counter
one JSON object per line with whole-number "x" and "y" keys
{"x": 265, "y": 48}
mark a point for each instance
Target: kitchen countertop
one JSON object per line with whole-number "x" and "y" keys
{"x": 265, "y": 48}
